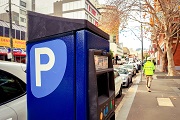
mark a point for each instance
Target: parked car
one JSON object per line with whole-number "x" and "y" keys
{"x": 118, "y": 84}
{"x": 125, "y": 76}
{"x": 136, "y": 66}
{"x": 131, "y": 68}
{"x": 12, "y": 91}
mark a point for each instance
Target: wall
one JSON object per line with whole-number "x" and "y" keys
{"x": 177, "y": 56}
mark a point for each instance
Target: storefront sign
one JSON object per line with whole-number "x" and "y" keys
{"x": 5, "y": 42}
{"x": 19, "y": 44}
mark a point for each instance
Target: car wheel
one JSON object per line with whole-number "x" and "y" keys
{"x": 131, "y": 80}
{"x": 120, "y": 92}
{"x": 127, "y": 84}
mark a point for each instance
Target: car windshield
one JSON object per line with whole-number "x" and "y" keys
{"x": 122, "y": 71}
{"x": 128, "y": 66}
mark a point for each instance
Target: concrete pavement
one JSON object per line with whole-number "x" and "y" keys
{"x": 163, "y": 103}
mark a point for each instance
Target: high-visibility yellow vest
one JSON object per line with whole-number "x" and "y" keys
{"x": 149, "y": 68}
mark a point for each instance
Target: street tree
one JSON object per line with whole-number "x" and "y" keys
{"x": 164, "y": 19}
{"x": 114, "y": 15}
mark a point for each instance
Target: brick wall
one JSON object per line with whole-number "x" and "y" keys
{"x": 177, "y": 56}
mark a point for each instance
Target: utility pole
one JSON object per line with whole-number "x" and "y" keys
{"x": 141, "y": 52}
{"x": 141, "y": 42}
{"x": 10, "y": 31}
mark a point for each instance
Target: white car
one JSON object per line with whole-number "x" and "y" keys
{"x": 118, "y": 84}
{"x": 130, "y": 67}
{"x": 125, "y": 76}
{"x": 12, "y": 91}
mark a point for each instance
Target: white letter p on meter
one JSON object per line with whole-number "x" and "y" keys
{"x": 43, "y": 67}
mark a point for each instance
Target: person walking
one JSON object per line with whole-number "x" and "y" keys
{"x": 149, "y": 69}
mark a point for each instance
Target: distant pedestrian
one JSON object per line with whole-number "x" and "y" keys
{"x": 149, "y": 72}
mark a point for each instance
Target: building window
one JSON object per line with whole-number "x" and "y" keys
{"x": 6, "y": 32}
{"x": 22, "y": 35}
{"x": 1, "y": 31}
{"x": 17, "y": 34}
{"x": 86, "y": 6}
{"x": 23, "y": 19}
{"x": 23, "y": 12}
{"x": 13, "y": 33}
{"x": 15, "y": 18}
{"x": 86, "y": 16}
{"x": 90, "y": 18}
{"x": 22, "y": 4}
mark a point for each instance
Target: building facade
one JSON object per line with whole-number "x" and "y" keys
{"x": 116, "y": 49}
{"x": 77, "y": 9}
{"x": 19, "y": 42}
{"x": 19, "y": 9}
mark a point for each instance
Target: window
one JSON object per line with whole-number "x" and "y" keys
{"x": 11, "y": 87}
{"x": 17, "y": 34}
{"x": 23, "y": 12}
{"x": 90, "y": 18}
{"x": 86, "y": 6}
{"x": 22, "y": 4}
{"x": 13, "y": 33}
{"x": 23, "y": 19}
{"x": 1, "y": 31}
{"x": 22, "y": 35}
{"x": 15, "y": 18}
{"x": 86, "y": 16}
{"x": 6, "y": 32}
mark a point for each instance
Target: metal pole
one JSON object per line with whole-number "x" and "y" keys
{"x": 141, "y": 43}
{"x": 10, "y": 31}
{"x": 141, "y": 52}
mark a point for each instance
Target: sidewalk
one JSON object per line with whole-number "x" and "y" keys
{"x": 163, "y": 103}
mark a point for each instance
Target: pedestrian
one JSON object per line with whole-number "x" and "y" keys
{"x": 148, "y": 71}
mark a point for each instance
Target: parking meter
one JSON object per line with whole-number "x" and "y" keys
{"x": 69, "y": 70}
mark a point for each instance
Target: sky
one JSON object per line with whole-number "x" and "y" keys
{"x": 131, "y": 36}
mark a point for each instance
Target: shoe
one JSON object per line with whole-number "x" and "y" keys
{"x": 149, "y": 90}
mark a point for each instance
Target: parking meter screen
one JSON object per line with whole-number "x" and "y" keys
{"x": 101, "y": 62}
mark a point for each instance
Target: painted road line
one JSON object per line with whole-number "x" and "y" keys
{"x": 165, "y": 102}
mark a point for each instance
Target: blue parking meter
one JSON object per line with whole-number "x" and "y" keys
{"x": 69, "y": 70}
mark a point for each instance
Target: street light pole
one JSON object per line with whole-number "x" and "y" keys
{"x": 141, "y": 42}
{"x": 10, "y": 31}
{"x": 141, "y": 51}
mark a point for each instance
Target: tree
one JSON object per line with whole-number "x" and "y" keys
{"x": 164, "y": 18}
{"x": 169, "y": 11}
{"x": 113, "y": 15}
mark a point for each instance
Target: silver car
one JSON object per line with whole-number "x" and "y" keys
{"x": 12, "y": 91}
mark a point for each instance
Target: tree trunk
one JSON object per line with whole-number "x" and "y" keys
{"x": 164, "y": 62}
{"x": 171, "y": 66}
